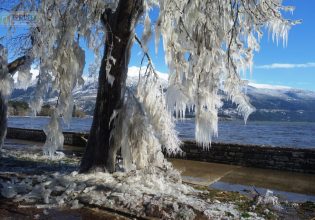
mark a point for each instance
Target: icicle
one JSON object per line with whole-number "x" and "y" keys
{"x": 146, "y": 32}
{"x": 176, "y": 101}
{"x": 54, "y": 136}
{"x": 42, "y": 86}
{"x": 24, "y": 77}
{"x": 144, "y": 127}
{"x": 157, "y": 33}
{"x": 219, "y": 51}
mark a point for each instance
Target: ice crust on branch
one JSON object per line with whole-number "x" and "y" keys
{"x": 56, "y": 35}
{"x": 54, "y": 136}
{"x": 208, "y": 44}
{"x": 144, "y": 127}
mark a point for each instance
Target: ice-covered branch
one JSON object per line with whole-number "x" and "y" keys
{"x": 144, "y": 128}
{"x": 17, "y": 63}
{"x": 146, "y": 54}
{"x": 208, "y": 45}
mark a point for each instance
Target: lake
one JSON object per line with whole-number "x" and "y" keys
{"x": 282, "y": 134}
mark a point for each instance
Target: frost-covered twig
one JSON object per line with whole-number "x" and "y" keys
{"x": 17, "y": 63}
{"x": 150, "y": 64}
{"x": 84, "y": 139}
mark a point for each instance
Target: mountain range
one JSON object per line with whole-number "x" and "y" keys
{"x": 272, "y": 103}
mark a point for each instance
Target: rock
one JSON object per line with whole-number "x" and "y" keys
{"x": 8, "y": 191}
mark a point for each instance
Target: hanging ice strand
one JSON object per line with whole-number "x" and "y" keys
{"x": 207, "y": 45}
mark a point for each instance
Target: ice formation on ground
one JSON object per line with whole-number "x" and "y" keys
{"x": 152, "y": 191}
{"x": 148, "y": 192}
{"x": 269, "y": 198}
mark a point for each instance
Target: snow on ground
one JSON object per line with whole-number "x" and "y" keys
{"x": 154, "y": 192}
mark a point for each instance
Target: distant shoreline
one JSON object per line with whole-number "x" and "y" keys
{"x": 186, "y": 118}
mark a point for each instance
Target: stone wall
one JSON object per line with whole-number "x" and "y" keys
{"x": 280, "y": 158}
{"x": 70, "y": 138}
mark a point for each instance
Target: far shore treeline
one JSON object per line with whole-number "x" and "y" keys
{"x": 22, "y": 108}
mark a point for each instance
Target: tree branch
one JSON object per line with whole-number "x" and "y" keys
{"x": 147, "y": 55}
{"x": 14, "y": 65}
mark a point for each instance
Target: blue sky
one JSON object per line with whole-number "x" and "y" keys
{"x": 292, "y": 66}
{"x": 299, "y": 54}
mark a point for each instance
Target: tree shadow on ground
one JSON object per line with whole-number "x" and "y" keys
{"x": 27, "y": 166}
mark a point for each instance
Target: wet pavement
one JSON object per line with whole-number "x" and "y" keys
{"x": 288, "y": 185}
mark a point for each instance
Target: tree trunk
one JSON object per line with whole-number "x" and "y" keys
{"x": 3, "y": 119}
{"x": 12, "y": 69}
{"x": 120, "y": 24}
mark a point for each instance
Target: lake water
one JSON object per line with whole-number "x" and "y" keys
{"x": 283, "y": 134}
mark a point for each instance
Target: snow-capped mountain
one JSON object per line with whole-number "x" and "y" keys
{"x": 276, "y": 103}
{"x": 279, "y": 103}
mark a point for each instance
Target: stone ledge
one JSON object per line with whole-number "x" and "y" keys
{"x": 279, "y": 158}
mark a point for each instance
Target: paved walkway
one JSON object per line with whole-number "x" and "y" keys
{"x": 207, "y": 173}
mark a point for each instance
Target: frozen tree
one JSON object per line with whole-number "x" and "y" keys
{"x": 7, "y": 70}
{"x": 20, "y": 46}
{"x": 208, "y": 44}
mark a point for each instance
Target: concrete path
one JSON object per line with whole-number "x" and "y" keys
{"x": 205, "y": 173}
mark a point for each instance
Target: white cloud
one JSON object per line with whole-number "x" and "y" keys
{"x": 268, "y": 86}
{"x": 285, "y": 66}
